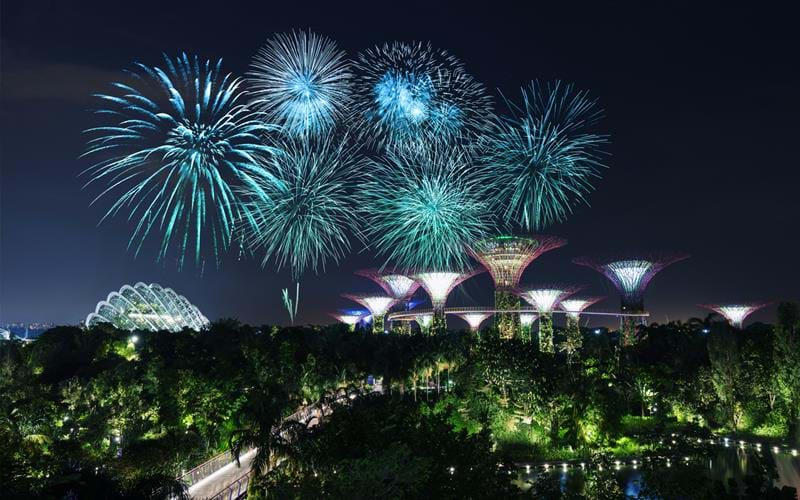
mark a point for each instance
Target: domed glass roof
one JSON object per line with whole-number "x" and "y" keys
{"x": 147, "y": 307}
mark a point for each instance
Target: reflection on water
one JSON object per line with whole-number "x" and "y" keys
{"x": 724, "y": 464}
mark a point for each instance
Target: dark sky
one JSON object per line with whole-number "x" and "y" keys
{"x": 701, "y": 101}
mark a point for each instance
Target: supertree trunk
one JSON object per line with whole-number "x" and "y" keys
{"x": 439, "y": 323}
{"x": 546, "y": 332}
{"x": 573, "y": 331}
{"x": 401, "y": 327}
{"x": 628, "y": 331}
{"x": 526, "y": 332}
{"x": 507, "y": 323}
{"x": 377, "y": 324}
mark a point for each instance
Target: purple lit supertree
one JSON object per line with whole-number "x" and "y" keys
{"x": 573, "y": 307}
{"x": 630, "y": 274}
{"x": 545, "y": 298}
{"x": 398, "y": 286}
{"x": 735, "y": 313}
{"x": 439, "y": 284}
{"x": 377, "y": 305}
{"x": 506, "y": 258}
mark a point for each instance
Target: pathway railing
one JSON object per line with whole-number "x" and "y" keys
{"x": 236, "y": 490}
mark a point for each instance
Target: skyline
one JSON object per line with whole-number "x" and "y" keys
{"x": 677, "y": 142}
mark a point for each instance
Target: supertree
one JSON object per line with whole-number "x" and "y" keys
{"x": 301, "y": 81}
{"x": 177, "y": 145}
{"x": 424, "y": 208}
{"x": 506, "y": 258}
{"x": 545, "y": 154}
{"x": 351, "y": 320}
{"x": 526, "y": 325}
{"x": 301, "y": 211}
{"x": 573, "y": 307}
{"x": 398, "y": 286}
{"x": 439, "y": 284}
{"x": 410, "y": 94}
{"x": 424, "y": 321}
{"x": 377, "y": 305}
{"x": 735, "y": 314}
{"x": 630, "y": 274}
{"x": 474, "y": 319}
{"x": 544, "y": 299}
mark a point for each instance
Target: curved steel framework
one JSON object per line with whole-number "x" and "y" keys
{"x": 474, "y": 319}
{"x": 147, "y": 307}
{"x": 377, "y": 305}
{"x": 351, "y": 320}
{"x": 545, "y": 298}
{"x": 735, "y": 313}
{"x": 395, "y": 284}
{"x": 439, "y": 285}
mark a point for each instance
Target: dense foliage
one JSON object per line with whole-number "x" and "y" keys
{"x": 108, "y": 411}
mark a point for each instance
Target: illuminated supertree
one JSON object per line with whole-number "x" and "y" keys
{"x": 424, "y": 208}
{"x": 301, "y": 211}
{"x": 424, "y": 321}
{"x": 351, "y": 320}
{"x": 526, "y": 325}
{"x": 506, "y": 257}
{"x": 735, "y": 313}
{"x": 439, "y": 285}
{"x": 573, "y": 307}
{"x": 301, "y": 81}
{"x": 474, "y": 319}
{"x": 377, "y": 305}
{"x": 398, "y": 286}
{"x": 631, "y": 274}
{"x": 546, "y": 154}
{"x": 410, "y": 94}
{"x": 177, "y": 145}
{"x": 544, "y": 299}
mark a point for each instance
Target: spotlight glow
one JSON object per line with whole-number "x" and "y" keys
{"x": 474, "y": 320}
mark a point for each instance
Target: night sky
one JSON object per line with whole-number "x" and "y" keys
{"x": 702, "y": 103}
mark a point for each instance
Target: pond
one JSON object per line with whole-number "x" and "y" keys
{"x": 729, "y": 460}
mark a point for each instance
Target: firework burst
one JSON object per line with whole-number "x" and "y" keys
{"x": 301, "y": 213}
{"x": 412, "y": 94}
{"x": 177, "y": 144}
{"x": 546, "y": 154}
{"x": 425, "y": 207}
{"x": 301, "y": 81}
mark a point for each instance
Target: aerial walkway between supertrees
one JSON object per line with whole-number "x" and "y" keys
{"x": 506, "y": 258}
{"x": 735, "y": 314}
{"x": 545, "y": 298}
{"x": 631, "y": 274}
{"x": 377, "y": 305}
{"x": 573, "y": 307}
{"x": 396, "y": 285}
{"x": 438, "y": 285}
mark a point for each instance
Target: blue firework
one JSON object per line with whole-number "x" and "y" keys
{"x": 176, "y": 145}
{"x": 546, "y": 154}
{"x": 425, "y": 207}
{"x": 302, "y": 212}
{"x": 414, "y": 95}
{"x": 301, "y": 81}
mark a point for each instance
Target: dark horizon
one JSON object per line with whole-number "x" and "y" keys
{"x": 700, "y": 101}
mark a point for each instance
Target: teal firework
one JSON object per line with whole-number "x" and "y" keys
{"x": 302, "y": 213}
{"x": 177, "y": 145}
{"x": 424, "y": 208}
{"x": 301, "y": 81}
{"x": 546, "y": 154}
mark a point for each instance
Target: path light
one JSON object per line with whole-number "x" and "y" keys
{"x": 134, "y": 339}
{"x": 527, "y": 469}
{"x": 776, "y": 449}
{"x": 583, "y": 465}
{"x": 564, "y": 465}
{"x": 794, "y": 453}
{"x": 452, "y": 470}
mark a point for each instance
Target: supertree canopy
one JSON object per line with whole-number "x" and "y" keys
{"x": 377, "y": 305}
{"x": 351, "y": 320}
{"x": 506, "y": 258}
{"x": 424, "y": 208}
{"x": 396, "y": 285}
{"x": 631, "y": 274}
{"x": 409, "y": 94}
{"x": 474, "y": 319}
{"x": 177, "y": 144}
{"x": 439, "y": 284}
{"x": 301, "y": 211}
{"x": 544, "y": 299}
{"x": 147, "y": 307}
{"x": 546, "y": 154}
{"x": 302, "y": 82}
{"x": 735, "y": 313}
{"x": 526, "y": 324}
{"x": 424, "y": 321}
